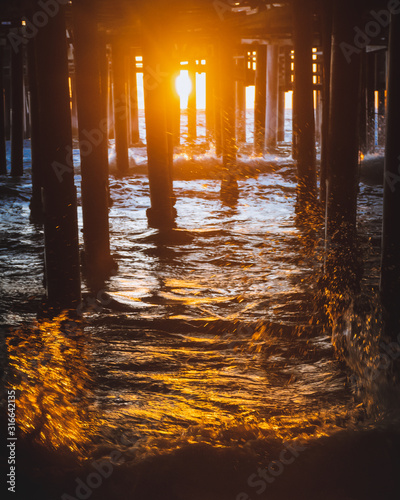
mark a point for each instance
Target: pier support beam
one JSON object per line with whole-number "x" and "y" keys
{"x": 380, "y": 78}
{"x": 74, "y": 110}
{"x": 295, "y": 137}
{"x": 17, "y": 103}
{"x": 92, "y": 124}
{"x": 36, "y": 153}
{"x": 3, "y": 159}
{"x": 210, "y": 97}
{"x": 175, "y": 108}
{"x": 370, "y": 96}
{"x": 218, "y": 105}
{"x": 7, "y": 104}
{"x": 318, "y": 116}
{"x": 170, "y": 132}
{"x": 260, "y": 102}
{"x": 133, "y": 102}
{"x": 381, "y": 117}
{"x": 105, "y": 120}
{"x": 229, "y": 185}
{"x": 281, "y": 117}
{"x": 110, "y": 101}
{"x": 363, "y": 108}
{"x": 271, "y": 122}
{"x": 343, "y": 150}
{"x": 161, "y": 215}
{"x": 241, "y": 100}
{"x": 26, "y": 118}
{"x": 326, "y": 28}
{"x": 172, "y": 101}
{"x": 120, "y": 106}
{"x": 62, "y": 272}
{"x": 192, "y": 106}
{"x": 390, "y": 271}
{"x": 304, "y": 106}
{"x": 218, "y": 119}
{"x": 213, "y": 99}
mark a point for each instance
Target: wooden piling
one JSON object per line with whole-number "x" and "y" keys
{"x": 26, "y": 114}
{"x": 304, "y": 104}
{"x": 92, "y": 124}
{"x": 381, "y": 117}
{"x": 241, "y": 99}
{"x": 3, "y": 159}
{"x": 170, "y": 135}
{"x": 318, "y": 115}
{"x": 103, "y": 72}
{"x": 326, "y": 35}
{"x": 17, "y": 112}
{"x": 110, "y": 101}
{"x": 62, "y": 270}
{"x": 390, "y": 269}
{"x": 102, "y": 52}
{"x": 215, "y": 98}
{"x": 173, "y": 102}
{"x": 271, "y": 121}
{"x": 210, "y": 97}
{"x": 363, "y": 107}
{"x": 120, "y": 105}
{"x": 192, "y": 106}
{"x": 161, "y": 215}
{"x": 217, "y": 89}
{"x": 175, "y": 106}
{"x": 281, "y": 116}
{"x": 36, "y": 206}
{"x": 343, "y": 150}
{"x": 260, "y": 102}
{"x": 133, "y": 101}
{"x": 380, "y": 85}
{"x": 229, "y": 185}
{"x": 294, "y": 111}
{"x": 218, "y": 120}
{"x": 7, "y": 97}
{"x": 370, "y": 91}
{"x": 172, "y": 105}
{"x": 74, "y": 107}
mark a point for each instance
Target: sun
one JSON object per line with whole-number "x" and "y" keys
{"x": 183, "y": 86}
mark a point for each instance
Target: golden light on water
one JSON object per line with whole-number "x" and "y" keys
{"x": 50, "y": 375}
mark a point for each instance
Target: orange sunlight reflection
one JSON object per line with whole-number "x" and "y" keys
{"x": 50, "y": 375}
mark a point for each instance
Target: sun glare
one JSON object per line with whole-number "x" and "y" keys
{"x": 183, "y": 87}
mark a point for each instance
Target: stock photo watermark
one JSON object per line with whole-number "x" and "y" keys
{"x": 389, "y": 352}
{"x": 94, "y": 304}
{"x": 371, "y": 30}
{"x": 93, "y": 138}
{"x": 393, "y": 179}
{"x": 71, "y": 328}
{"x": 103, "y": 470}
{"x": 274, "y": 469}
{"x": 222, "y": 8}
{"x": 11, "y": 441}
{"x": 50, "y": 8}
